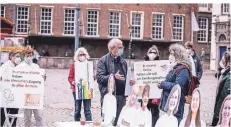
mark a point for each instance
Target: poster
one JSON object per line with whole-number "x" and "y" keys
{"x": 22, "y": 88}
{"x": 84, "y": 79}
{"x": 150, "y": 73}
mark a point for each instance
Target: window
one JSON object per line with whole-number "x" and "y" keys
{"x": 202, "y": 34}
{"x": 225, "y": 8}
{"x": 46, "y": 21}
{"x": 3, "y": 10}
{"x": 157, "y": 26}
{"x": 114, "y": 24}
{"x": 69, "y": 22}
{"x": 204, "y": 5}
{"x": 22, "y": 20}
{"x": 92, "y": 22}
{"x": 136, "y": 25}
{"x": 178, "y": 25}
{"x": 222, "y": 38}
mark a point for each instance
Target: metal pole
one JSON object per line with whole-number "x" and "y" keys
{"x": 77, "y": 27}
{"x": 130, "y": 43}
{"x": 28, "y": 33}
{"x": 15, "y": 19}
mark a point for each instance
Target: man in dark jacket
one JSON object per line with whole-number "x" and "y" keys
{"x": 223, "y": 88}
{"x": 197, "y": 70}
{"x": 113, "y": 63}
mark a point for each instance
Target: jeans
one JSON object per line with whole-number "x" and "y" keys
{"x": 37, "y": 116}
{"x": 78, "y": 106}
{"x": 121, "y": 101}
{"x": 10, "y": 111}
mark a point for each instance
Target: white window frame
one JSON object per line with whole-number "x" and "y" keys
{"x": 207, "y": 32}
{"x": 119, "y": 34}
{"x": 142, "y": 23}
{"x": 97, "y": 31}
{"x": 224, "y": 9}
{"x": 50, "y": 7}
{"x": 202, "y": 8}
{"x": 69, "y": 8}
{"x": 162, "y": 25}
{"x": 28, "y": 15}
{"x": 182, "y": 36}
{"x": 4, "y": 14}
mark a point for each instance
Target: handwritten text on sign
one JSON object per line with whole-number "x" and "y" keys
{"x": 150, "y": 73}
{"x": 22, "y": 88}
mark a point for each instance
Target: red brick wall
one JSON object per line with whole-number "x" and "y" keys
{"x": 58, "y": 17}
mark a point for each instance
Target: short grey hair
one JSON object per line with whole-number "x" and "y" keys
{"x": 175, "y": 88}
{"x": 82, "y": 49}
{"x": 112, "y": 43}
{"x": 179, "y": 52}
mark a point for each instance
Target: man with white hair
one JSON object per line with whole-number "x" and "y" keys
{"x": 113, "y": 63}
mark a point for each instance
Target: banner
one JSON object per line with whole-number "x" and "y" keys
{"x": 22, "y": 88}
{"x": 84, "y": 80}
{"x": 150, "y": 73}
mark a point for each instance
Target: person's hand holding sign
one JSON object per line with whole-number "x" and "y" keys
{"x": 158, "y": 85}
{"x": 118, "y": 76}
{"x": 132, "y": 82}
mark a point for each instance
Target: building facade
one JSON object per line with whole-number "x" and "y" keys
{"x": 51, "y": 27}
{"x": 220, "y": 33}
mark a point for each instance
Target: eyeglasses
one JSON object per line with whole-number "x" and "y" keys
{"x": 122, "y": 47}
{"x": 82, "y": 55}
{"x": 152, "y": 52}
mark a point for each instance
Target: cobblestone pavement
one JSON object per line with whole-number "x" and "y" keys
{"x": 59, "y": 106}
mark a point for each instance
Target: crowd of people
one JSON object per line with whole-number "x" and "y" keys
{"x": 181, "y": 86}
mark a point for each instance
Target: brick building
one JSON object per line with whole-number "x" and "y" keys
{"x": 51, "y": 27}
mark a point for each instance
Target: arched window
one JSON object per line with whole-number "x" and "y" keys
{"x": 222, "y": 38}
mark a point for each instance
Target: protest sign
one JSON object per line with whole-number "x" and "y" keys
{"x": 84, "y": 80}
{"x": 22, "y": 88}
{"x": 150, "y": 73}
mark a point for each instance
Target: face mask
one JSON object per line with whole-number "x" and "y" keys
{"x": 120, "y": 52}
{"x": 82, "y": 58}
{"x": 28, "y": 60}
{"x": 152, "y": 56}
{"x": 17, "y": 61}
{"x": 172, "y": 59}
{"x": 221, "y": 64}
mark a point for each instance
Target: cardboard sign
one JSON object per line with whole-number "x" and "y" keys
{"x": 150, "y": 73}
{"x": 22, "y": 88}
{"x": 84, "y": 80}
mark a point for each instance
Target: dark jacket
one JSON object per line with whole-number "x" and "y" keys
{"x": 198, "y": 66}
{"x": 182, "y": 78}
{"x": 105, "y": 67}
{"x": 223, "y": 91}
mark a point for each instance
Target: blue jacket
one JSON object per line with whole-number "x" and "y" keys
{"x": 198, "y": 66}
{"x": 182, "y": 78}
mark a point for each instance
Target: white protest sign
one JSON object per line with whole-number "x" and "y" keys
{"x": 22, "y": 88}
{"x": 150, "y": 73}
{"x": 84, "y": 80}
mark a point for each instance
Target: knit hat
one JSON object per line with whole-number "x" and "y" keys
{"x": 188, "y": 44}
{"x": 28, "y": 51}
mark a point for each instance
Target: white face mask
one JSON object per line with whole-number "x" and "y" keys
{"x": 152, "y": 56}
{"x": 221, "y": 64}
{"x": 28, "y": 60}
{"x": 82, "y": 58}
{"x": 17, "y": 61}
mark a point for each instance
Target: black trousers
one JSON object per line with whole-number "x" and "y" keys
{"x": 121, "y": 101}
{"x": 10, "y": 111}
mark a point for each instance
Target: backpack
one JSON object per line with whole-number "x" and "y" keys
{"x": 193, "y": 83}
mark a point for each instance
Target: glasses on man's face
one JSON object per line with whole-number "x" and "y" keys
{"x": 121, "y": 47}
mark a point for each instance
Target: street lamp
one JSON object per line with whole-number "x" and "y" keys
{"x": 130, "y": 42}
{"x": 28, "y": 33}
{"x": 77, "y": 27}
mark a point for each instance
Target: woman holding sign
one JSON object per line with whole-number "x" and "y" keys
{"x": 153, "y": 104}
{"x": 81, "y": 56}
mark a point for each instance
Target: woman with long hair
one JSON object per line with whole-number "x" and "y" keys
{"x": 194, "y": 119}
{"x": 224, "y": 117}
{"x": 171, "y": 108}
